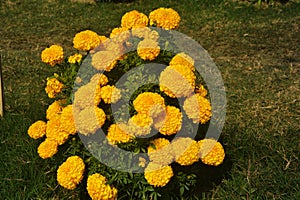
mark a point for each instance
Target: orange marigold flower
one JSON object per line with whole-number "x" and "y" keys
{"x": 98, "y": 189}
{"x": 70, "y": 173}
{"x": 183, "y": 59}
{"x": 186, "y": 151}
{"x": 197, "y": 108}
{"x": 55, "y": 132}
{"x": 160, "y": 151}
{"x": 148, "y": 102}
{"x": 158, "y": 175}
{"x": 166, "y": 18}
{"x": 53, "y": 55}
{"x": 87, "y": 40}
{"x": 177, "y": 81}
{"x": 118, "y": 133}
{"x": 211, "y": 152}
{"x": 87, "y": 95}
{"x": 140, "y": 125}
{"x": 37, "y": 129}
{"x": 148, "y": 49}
{"x": 54, "y": 109}
{"x": 53, "y": 87}
{"x": 134, "y": 19}
{"x": 145, "y": 33}
{"x": 104, "y": 60}
{"x": 120, "y": 34}
{"x": 100, "y": 79}
{"x": 200, "y": 89}
{"x": 67, "y": 120}
{"x": 48, "y": 148}
{"x": 76, "y": 58}
{"x": 110, "y": 94}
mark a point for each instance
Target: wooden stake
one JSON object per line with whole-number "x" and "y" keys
{"x": 1, "y": 91}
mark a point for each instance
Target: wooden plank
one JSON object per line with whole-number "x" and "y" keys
{"x": 1, "y": 91}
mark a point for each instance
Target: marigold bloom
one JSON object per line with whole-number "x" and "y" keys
{"x": 87, "y": 95}
{"x": 67, "y": 120}
{"x": 87, "y": 40}
{"x": 55, "y": 132}
{"x": 134, "y": 19}
{"x": 53, "y": 87}
{"x": 145, "y": 33}
{"x": 76, "y": 58}
{"x": 200, "y": 89}
{"x": 48, "y": 148}
{"x": 147, "y": 101}
{"x": 100, "y": 79}
{"x": 110, "y": 94}
{"x": 140, "y": 125}
{"x": 177, "y": 81}
{"x": 186, "y": 151}
{"x": 118, "y": 133}
{"x": 183, "y": 59}
{"x": 99, "y": 190}
{"x": 162, "y": 153}
{"x": 70, "y": 173}
{"x": 148, "y": 49}
{"x": 197, "y": 108}
{"x": 104, "y": 60}
{"x": 53, "y": 55}
{"x": 37, "y": 129}
{"x": 211, "y": 152}
{"x": 158, "y": 175}
{"x": 120, "y": 34}
{"x": 54, "y": 109}
{"x": 89, "y": 120}
{"x": 166, "y": 18}
{"x": 169, "y": 124}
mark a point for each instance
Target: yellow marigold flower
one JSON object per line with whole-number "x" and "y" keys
{"x": 53, "y": 87}
{"x": 211, "y": 152}
{"x": 67, "y": 120}
{"x": 147, "y": 101}
{"x": 118, "y": 133}
{"x": 140, "y": 125}
{"x": 104, "y": 60}
{"x": 87, "y": 95}
{"x": 53, "y": 55}
{"x": 89, "y": 120}
{"x": 76, "y": 58}
{"x": 162, "y": 153}
{"x": 100, "y": 79}
{"x": 183, "y": 59}
{"x": 166, "y": 18}
{"x": 87, "y": 40}
{"x": 145, "y": 33}
{"x": 55, "y": 132}
{"x": 158, "y": 175}
{"x": 199, "y": 89}
{"x": 121, "y": 34}
{"x": 54, "y": 109}
{"x": 99, "y": 190}
{"x": 47, "y": 149}
{"x": 70, "y": 173}
{"x": 177, "y": 81}
{"x": 186, "y": 151}
{"x": 197, "y": 108}
{"x": 171, "y": 123}
{"x": 37, "y": 129}
{"x": 110, "y": 94}
{"x": 134, "y": 19}
{"x": 148, "y": 49}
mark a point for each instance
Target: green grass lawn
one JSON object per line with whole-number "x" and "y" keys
{"x": 256, "y": 49}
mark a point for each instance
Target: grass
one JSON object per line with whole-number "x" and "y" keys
{"x": 257, "y": 51}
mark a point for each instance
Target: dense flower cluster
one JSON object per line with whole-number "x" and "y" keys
{"x": 53, "y": 87}
{"x": 166, "y": 18}
{"x": 98, "y": 189}
{"x": 70, "y": 173}
{"x": 156, "y": 109}
{"x": 53, "y": 55}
